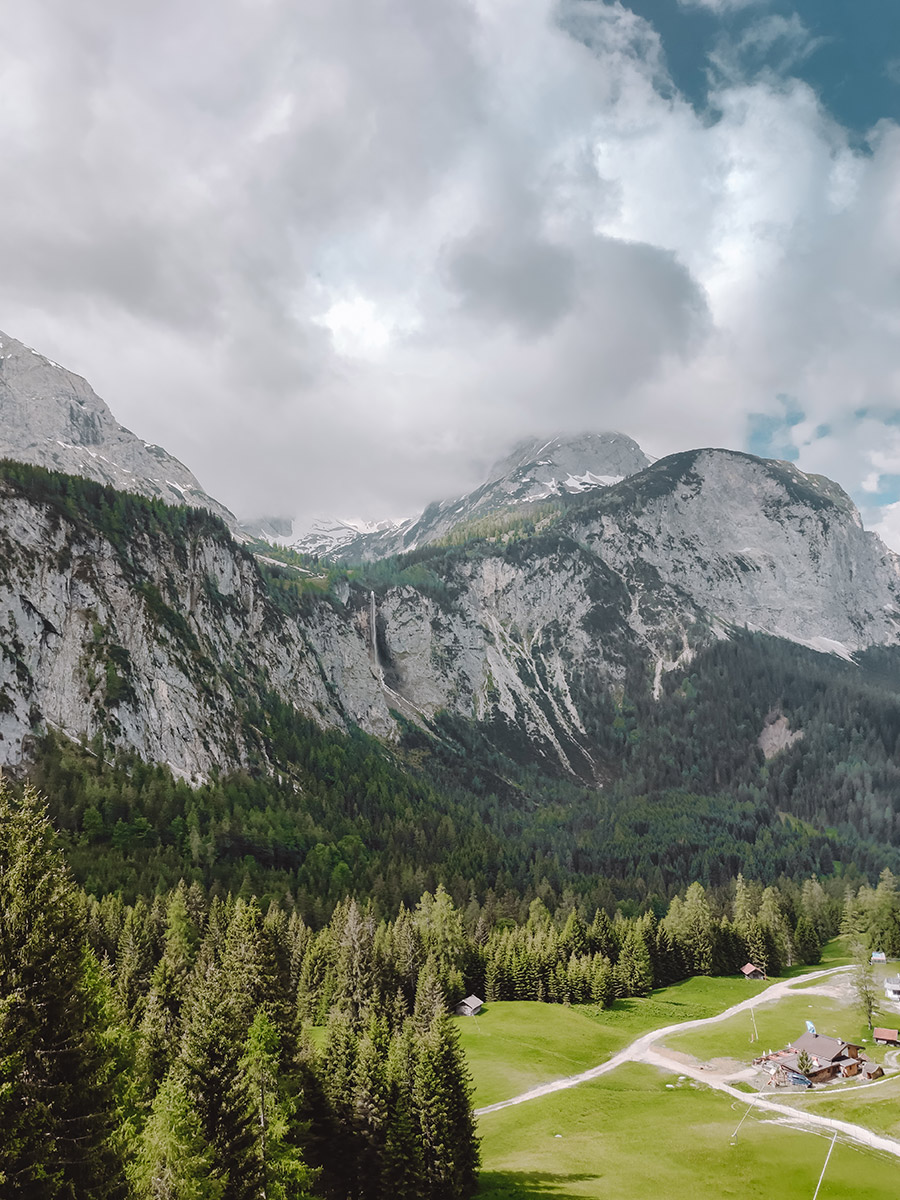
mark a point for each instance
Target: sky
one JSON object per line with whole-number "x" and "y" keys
{"x": 338, "y": 255}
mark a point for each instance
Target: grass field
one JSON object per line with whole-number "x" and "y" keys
{"x": 875, "y": 1106}
{"x": 836, "y": 953}
{"x": 778, "y": 1022}
{"x": 517, "y": 1044}
{"x": 629, "y": 1137}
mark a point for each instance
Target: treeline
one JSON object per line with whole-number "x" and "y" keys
{"x": 579, "y": 963}
{"x": 121, "y": 517}
{"x": 872, "y": 916}
{"x": 163, "y": 1051}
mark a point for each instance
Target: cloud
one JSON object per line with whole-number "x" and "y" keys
{"x": 771, "y": 436}
{"x": 773, "y": 45}
{"x": 336, "y": 255}
{"x": 721, "y": 6}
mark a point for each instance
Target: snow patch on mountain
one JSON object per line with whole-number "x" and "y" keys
{"x": 534, "y": 471}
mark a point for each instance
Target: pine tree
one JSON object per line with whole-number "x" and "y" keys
{"x": 57, "y": 1107}
{"x": 161, "y": 1022}
{"x": 443, "y": 1113}
{"x": 633, "y": 973}
{"x": 220, "y": 1008}
{"x": 134, "y": 960}
{"x": 174, "y": 1159}
{"x": 807, "y": 943}
{"x": 283, "y": 1173}
{"x": 402, "y": 1166}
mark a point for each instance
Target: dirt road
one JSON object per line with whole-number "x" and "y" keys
{"x": 643, "y": 1050}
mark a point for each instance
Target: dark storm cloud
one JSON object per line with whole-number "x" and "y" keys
{"x": 528, "y": 283}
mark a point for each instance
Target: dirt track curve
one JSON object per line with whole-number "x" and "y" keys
{"x": 642, "y": 1050}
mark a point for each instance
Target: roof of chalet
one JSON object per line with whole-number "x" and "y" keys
{"x": 886, "y": 1035}
{"x": 472, "y": 1002}
{"x": 750, "y": 968}
{"x": 825, "y": 1049}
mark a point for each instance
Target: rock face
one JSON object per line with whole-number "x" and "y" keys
{"x": 52, "y": 418}
{"x": 158, "y": 642}
{"x": 162, "y": 640}
{"x": 536, "y": 469}
{"x": 754, "y": 542}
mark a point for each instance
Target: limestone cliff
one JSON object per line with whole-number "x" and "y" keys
{"x": 162, "y": 632}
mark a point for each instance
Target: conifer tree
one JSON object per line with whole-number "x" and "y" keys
{"x": 57, "y": 1108}
{"x": 135, "y": 960}
{"x": 283, "y": 1173}
{"x": 633, "y": 973}
{"x": 174, "y": 1160}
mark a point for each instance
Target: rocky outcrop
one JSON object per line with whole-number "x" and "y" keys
{"x": 159, "y": 648}
{"x": 52, "y": 418}
{"x": 754, "y": 543}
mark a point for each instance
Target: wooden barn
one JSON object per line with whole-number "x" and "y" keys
{"x": 470, "y": 1007}
{"x": 750, "y": 971}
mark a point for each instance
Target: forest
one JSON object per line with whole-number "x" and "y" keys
{"x": 197, "y": 1045}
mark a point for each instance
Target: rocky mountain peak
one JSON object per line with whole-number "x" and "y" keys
{"x": 571, "y": 463}
{"x": 53, "y": 418}
{"x": 535, "y": 469}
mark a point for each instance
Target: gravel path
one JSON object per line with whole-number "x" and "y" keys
{"x": 643, "y": 1050}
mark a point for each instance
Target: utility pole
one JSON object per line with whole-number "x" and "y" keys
{"x": 744, "y": 1118}
{"x": 827, "y": 1156}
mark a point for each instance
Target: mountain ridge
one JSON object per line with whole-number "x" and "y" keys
{"x": 53, "y": 418}
{"x": 536, "y": 469}
{"x": 154, "y": 625}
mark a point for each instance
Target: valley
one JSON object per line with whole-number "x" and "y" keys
{"x": 651, "y": 1112}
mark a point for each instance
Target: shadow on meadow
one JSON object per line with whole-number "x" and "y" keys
{"x": 530, "y": 1185}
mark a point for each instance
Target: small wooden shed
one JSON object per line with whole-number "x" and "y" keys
{"x": 469, "y": 1007}
{"x": 753, "y": 972}
{"x": 886, "y": 1037}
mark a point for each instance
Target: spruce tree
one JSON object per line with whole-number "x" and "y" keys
{"x": 174, "y": 1160}
{"x": 283, "y": 1173}
{"x": 57, "y": 1108}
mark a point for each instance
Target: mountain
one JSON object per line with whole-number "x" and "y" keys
{"x": 52, "y": 418}
{"x": 535, "y": 470}
{"x": 154, "y": 627}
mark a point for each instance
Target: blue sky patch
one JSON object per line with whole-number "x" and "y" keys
{"x": 770, "y": 437}
{"x": 848, "y": 51}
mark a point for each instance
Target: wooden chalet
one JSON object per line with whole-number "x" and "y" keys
{"x": 470, "y": 1007}
{"x": 750, "y": 971}
{"x": 829, "y": 1059}
{"x": 886, "y": 1037}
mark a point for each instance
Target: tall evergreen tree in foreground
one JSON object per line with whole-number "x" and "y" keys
{"x": 57, "y": 1107}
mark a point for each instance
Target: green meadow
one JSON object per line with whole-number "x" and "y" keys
{"x": 516, "y": 1044}
{"x": 875, "y": 1106}
{"x": 777, "y": 1023}
{"x": 627, "y": 1136}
